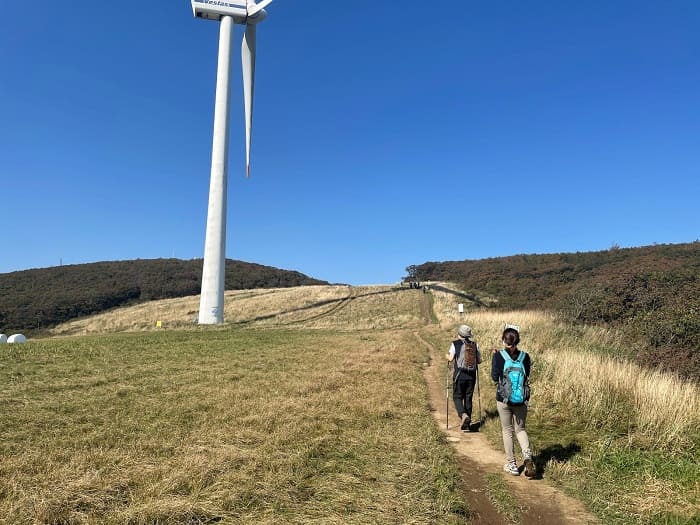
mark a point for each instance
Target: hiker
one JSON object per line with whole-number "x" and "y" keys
{"x": 510, "y": 369}
{"x": 465, "y": 354}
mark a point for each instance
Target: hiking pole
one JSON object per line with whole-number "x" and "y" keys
{"x": 478, "y": 389}
{"x": 447, "y": 396}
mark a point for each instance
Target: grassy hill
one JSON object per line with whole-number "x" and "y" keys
{"x": 548, "y": 280}
{"x": 37, "y": 299}
{"x": 649, "y": 293}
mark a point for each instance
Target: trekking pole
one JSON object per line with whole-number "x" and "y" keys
{"x": 447, "y": 396}
{"x": 478, "y": 389}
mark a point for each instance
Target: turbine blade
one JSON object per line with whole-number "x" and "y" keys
{"x": 256, "y": 8}
{"x": 248, "y": 61}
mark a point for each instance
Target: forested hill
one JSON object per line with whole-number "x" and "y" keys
{"x": 542, "y": 281}
{"x": 40, "y": 298}
{"x": 651, "y": 292}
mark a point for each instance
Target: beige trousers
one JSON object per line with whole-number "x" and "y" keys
{"x": 513, "y": 422}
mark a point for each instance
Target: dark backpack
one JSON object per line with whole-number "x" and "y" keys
{"x": 465, "y": 355}
{"x": 513, "y": 387}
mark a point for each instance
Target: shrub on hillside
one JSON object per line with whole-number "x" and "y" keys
{"x": 659, "y": 313}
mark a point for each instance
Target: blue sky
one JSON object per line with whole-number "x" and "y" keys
{"x": 386, "y": 133}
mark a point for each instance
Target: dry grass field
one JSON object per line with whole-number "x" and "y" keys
{"x": 309, "y": 406}
{"x": 332, "y": 306}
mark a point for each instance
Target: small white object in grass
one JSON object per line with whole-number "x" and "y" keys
{"x": 16, "y": 338}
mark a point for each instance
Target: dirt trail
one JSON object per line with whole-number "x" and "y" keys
{"x": 540, "y": 503}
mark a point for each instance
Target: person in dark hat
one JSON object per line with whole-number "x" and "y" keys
{"x": 465, "y": 354}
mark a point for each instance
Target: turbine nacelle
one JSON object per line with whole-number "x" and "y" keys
{"x": 241, "y": 11}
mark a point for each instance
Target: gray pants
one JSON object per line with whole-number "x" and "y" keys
{"x": 513, "y": 422}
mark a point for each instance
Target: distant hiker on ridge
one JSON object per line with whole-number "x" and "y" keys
{"x": 466, "y": 356}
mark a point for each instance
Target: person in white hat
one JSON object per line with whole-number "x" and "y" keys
{"x": 465, "y": 354}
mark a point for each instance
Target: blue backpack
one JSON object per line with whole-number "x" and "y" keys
{"x": 513, "y": 387}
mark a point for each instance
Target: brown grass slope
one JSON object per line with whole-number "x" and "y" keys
{"x": 316, "y": 307}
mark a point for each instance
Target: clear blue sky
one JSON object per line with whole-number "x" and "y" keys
{"x": 386, "y": 133}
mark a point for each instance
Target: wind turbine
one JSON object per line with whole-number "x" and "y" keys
{"x": 227, "y": 12}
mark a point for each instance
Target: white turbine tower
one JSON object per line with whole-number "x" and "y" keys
{"x": 227, "y": 12}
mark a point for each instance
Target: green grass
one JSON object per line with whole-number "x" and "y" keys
{"x": 221, "y": 426}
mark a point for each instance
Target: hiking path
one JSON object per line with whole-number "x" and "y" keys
{"x": 538, "y": 501}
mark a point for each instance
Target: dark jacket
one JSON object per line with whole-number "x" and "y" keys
{"x": 497, "y": 363}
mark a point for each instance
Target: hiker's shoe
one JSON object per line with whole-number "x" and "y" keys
{"x": 529, "y": 467}
{"x": 465, "y": 422}
{"x": 511, "y": 468}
